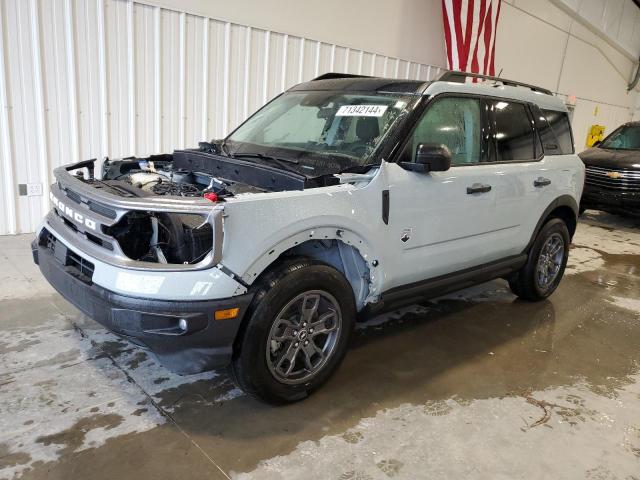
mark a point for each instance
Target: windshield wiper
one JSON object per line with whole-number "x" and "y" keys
{"x": 265, "y": 157}
{"x": 281, "y": 162}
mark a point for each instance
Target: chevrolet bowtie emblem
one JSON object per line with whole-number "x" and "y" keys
{"x": 613, "y": 174}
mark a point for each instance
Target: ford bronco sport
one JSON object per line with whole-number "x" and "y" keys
{"x": 342, "y": 197}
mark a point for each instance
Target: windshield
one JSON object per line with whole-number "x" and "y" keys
{"x": 321, "y": 131}
{"x": 625, "y": 138}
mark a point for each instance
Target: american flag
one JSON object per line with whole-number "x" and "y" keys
{"x": 470, "y": 33}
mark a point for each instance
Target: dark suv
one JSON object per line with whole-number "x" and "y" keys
{"x": 613, "y": 172}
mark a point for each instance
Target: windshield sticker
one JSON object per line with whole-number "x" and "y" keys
{"x": 361, "y": 111}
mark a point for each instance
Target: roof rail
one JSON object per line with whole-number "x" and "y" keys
{"x": 460, "y": 77}
{"x": 332, "y": 75}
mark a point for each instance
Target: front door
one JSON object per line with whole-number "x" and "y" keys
{"x": 443, "y": 222}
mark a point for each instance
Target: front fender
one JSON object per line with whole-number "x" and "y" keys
{"x": 328, "y": 232}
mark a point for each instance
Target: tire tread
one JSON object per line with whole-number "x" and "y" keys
{"x": 241, "y": 369}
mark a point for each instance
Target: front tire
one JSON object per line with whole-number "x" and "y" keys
{"x": 545, "y": 266}
{"x": 300, "y": 324}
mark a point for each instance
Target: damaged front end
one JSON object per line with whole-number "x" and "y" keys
{"x": 126, "y": 226}
{"x": 111, "y": 248}
{"x": 162, "y": 211}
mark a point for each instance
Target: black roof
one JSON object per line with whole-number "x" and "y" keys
{"x": 361, "y": 83}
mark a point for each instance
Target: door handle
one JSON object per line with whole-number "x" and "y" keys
{"x": 478, "y": 188}
{"x": 541, "y": 182}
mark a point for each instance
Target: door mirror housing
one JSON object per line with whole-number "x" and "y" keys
{"x": 430, "y": 157}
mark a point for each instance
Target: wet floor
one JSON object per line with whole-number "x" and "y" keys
{"x": 473, "y": 385}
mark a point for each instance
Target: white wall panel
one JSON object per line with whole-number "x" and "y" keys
{"x": 83, "y": 79}
{"x": 553, "y": 47}
{"x": 58, "y": 101}
{"x": 218, "y": 99}
{"x": 22, "y": 89}
{"x": 171, "y": 71}
{"x": 410, "y": 29}
{"x": 194, "y": 83}
{"x": 120, "y": 80}
{"x": 618, "y": 21}
{"x": 7, "y": 199}
{"x": 145, "y": 61}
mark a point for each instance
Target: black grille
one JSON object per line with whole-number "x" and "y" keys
{"x": 102, "y": 210}
{"x": 89, "y": 236}
{"x": 81, "y": 265}
{"x": 93, "y": 206}
{"x": 48, "y": 240}
{"x": 74, "y": 263}
{"x": 613, "y": 178}
{"x": 73, "y": 196}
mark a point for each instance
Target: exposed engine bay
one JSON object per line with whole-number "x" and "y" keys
{"x": 158, "y": 175}
{"x": 174, "y": 238}
{"x": 163, "y": 237}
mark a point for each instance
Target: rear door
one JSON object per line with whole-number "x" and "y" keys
{"x": 523, "y": 180}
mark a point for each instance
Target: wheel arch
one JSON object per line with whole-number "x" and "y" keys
{"x": 565, "y": 208}
{"x": 340, "y": 248}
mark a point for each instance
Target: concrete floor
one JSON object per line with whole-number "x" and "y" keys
{"x": 473, "y": 385}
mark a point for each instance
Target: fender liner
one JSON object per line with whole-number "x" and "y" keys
{"x": 326, "y": 233}
{"x": 561, "y": 201}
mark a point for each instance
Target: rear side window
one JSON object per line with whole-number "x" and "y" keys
{"x": 559, "y": 122}
{"x": 546, "y": 133}
{"x": 515, "y": 137}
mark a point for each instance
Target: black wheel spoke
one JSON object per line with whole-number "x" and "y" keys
{"x": 303, "y": 336}
{"x": 290, "y": 357}
{"x": 550, "y": 260}
{"x": 320, "y": 327}
{"x": 311, "y": 350}
{"x": 309, "y": 307}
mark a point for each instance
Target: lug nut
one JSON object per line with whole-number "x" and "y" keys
{"x": 296, "y": 344}
{"x": 306, "y": 343}
{"x": 304, "y": 324}
{"x": 311, "y": 330}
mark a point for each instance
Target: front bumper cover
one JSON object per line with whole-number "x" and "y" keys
{"x": 610, "y": 200}
{"x": 155, "y": 324}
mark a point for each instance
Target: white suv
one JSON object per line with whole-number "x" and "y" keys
{"x": 342, "y": 197}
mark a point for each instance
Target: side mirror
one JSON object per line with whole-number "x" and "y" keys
{"x": 430, "y": 157}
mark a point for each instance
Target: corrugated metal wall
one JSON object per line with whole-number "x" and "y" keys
{"x": 86, "y": 79}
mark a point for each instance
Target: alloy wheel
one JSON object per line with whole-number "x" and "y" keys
{"x": 550, "y": 261}
{"x": 303, "y": 337}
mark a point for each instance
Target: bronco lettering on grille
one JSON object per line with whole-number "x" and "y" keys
{"x": 71, "y": 213}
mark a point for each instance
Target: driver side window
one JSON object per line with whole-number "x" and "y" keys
{"x": 454, "y": 122}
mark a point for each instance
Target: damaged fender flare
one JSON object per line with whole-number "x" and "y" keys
{"x": 346, "y": 237}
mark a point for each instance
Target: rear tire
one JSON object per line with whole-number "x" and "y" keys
{"x": 545, "y": 266}
{"x": 300, "y": 324}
